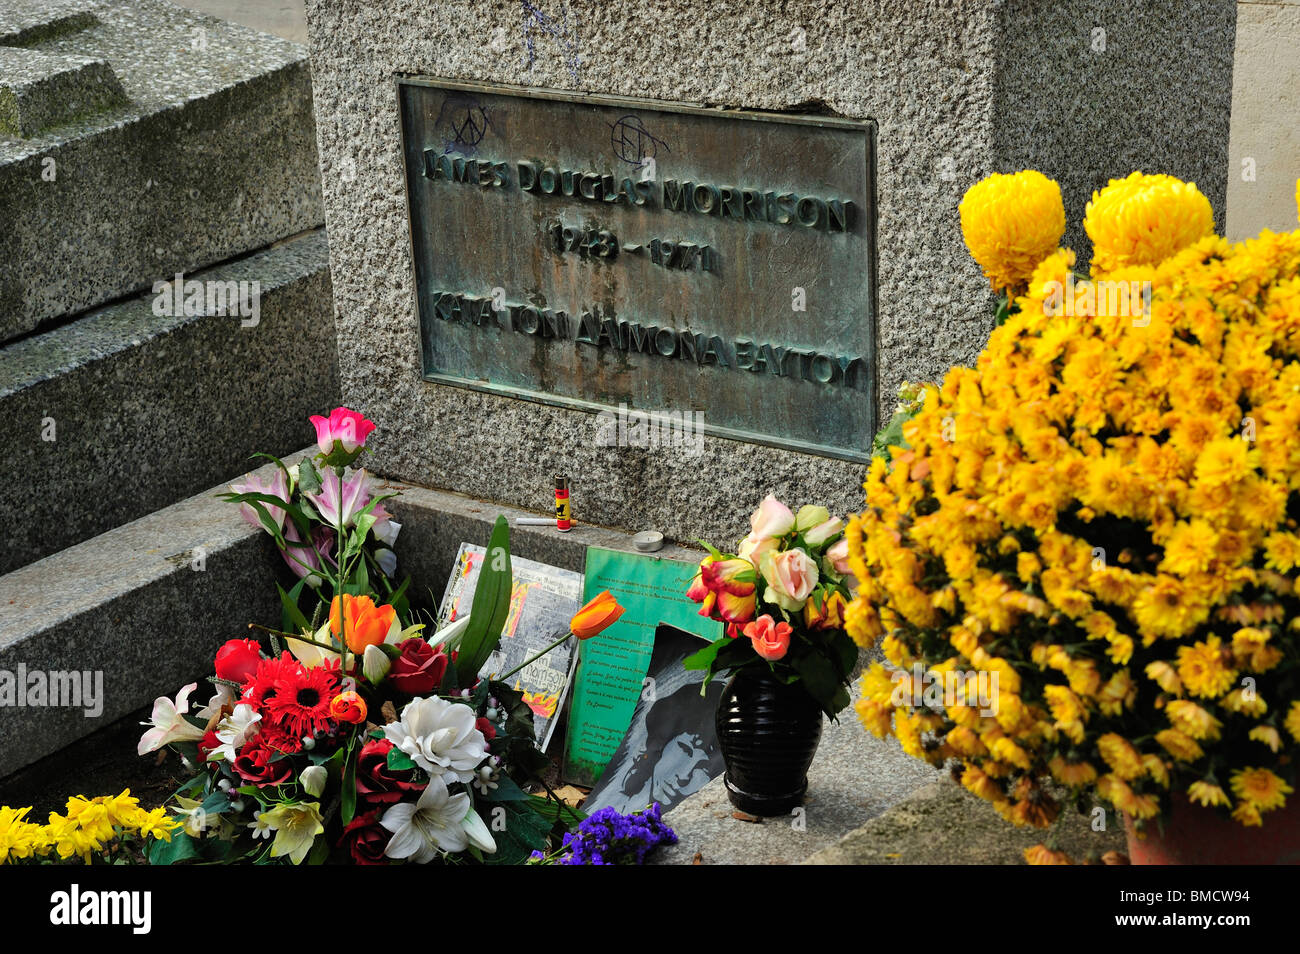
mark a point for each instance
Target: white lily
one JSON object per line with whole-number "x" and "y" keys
{"x": 234, "y": 730}
{"x": 433, "y": 823}
{"x": 478, "y": 833}
{"x": 169, "y": 722}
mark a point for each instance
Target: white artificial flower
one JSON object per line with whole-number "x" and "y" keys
{"x": 432, "y": 824}
{"x": 261, "y": 829}
{"x": 169, "y": 723}
{"x": 234, "y": 730}
{"x": 220, "y": 699}
{"x": 375, "y": 664}
{"x": 440, "y": 737}
{"x": 387, "y": 561}
{"x": 313, "y": 779}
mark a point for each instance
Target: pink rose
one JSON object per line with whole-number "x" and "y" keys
{"x": 753, "y": 548}
{"x": 791, "y": 576}
{"x": 823, "y": 531}
{"x": 341, "y": 435}
{"x": 837, "y": 559}
{"x": 838, "y": 556}
{"x": 771, "y": 519}
{"x": 770, "y": 639}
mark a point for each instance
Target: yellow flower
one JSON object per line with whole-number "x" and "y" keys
{"x": 1247, "y": 814}
{"x": 1207, "y": 794}
{"x": 875, "y": 716}
{"x": 1011, "y": 223}
{"x": 1268, "y": 735}
{"x": 1190, "y": 548}
{"x": 1143, "y": 220}
{"x": 1180, "y": 745}
{"x": 1120, "y": 755}
{"x": 19, "y": 838}
{"x": 1245, "y": 701}
{"x": 157, "y": 824}
{"x": 1201, "y": 668}
{"x": 1190, "y": 719}
{"x": 1073, "y": 774}
{"x": 1042, "y": 855}
{"x": 296, "y": 825}
{"x": 1293, "y": 721}
{"x": 1225, "y": 461}
{"x": 1260, "y": 787}
{"x": 978, "y": 783}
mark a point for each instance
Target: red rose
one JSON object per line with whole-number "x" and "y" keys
{"x": 237, "y": 660}
{"x": 376, "y": 782}
{"x": 419, "y": 669}
{"x": 366, "y": 839}
{"x": 254, "y": 764}
{"x": 486, "y": 727}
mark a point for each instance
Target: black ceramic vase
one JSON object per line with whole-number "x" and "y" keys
{"x": 768, "y": 732}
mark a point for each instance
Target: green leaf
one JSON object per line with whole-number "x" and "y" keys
{"x": 525, "y": 831}
{"x": 217, "y": 803}
{"x": 398, "y": 760}
{"x": 557, "y": 811}
{"x": 818, "y": 677}
{"x": 289, "y": 607}
{"x": 704, "y": 658}
{"x": 491, "y": 605}
{"x": 180, "y": 848}
{"x": 506, "y": 791}
{"x": 309, "y": 481}
{"x": 1003, "y": 312}
{"x": 320, "y": 850}
{"x": 348, "y": 803}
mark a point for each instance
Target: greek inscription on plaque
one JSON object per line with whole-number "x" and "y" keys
{"x": 598, "y": 252}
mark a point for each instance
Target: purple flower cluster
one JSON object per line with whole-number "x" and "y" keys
{"x": 608, "y": 838}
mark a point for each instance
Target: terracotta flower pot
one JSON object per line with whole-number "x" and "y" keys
{"x": 1194, "y": 835}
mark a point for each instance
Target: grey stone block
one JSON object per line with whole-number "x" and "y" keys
{"x": 130, "y": 606}
{"x": 957, "y": 90}
{"x": 211, "y": 155}
{"x": 145, "y": 409}
{"x": 38, "y": 90}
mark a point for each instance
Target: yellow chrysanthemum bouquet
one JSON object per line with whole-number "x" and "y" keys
{"x": 1082, "y": 559}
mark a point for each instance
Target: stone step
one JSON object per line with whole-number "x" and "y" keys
{"x": 208, "y": 153}
{"x": 147, "y": 604}
{"x": 125, "y": 410}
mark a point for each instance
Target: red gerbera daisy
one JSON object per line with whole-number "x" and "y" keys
{"x": 271, "y": 673}
{"x": 300, "y": 703}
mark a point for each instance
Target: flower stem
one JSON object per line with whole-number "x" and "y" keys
{"x": 532, "y": 659}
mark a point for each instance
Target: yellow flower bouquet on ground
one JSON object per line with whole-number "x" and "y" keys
{"x": 1082, "y": 559}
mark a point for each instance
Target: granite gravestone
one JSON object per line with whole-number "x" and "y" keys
{"x": 451, "y": 271}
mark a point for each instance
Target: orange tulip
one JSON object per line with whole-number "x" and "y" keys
{"x": 595, "y": 616}
{"x": 366, "y": 623}
{"x": 348, "y": 707}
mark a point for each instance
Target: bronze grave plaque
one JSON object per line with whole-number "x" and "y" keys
{"x": 602, "y": 252}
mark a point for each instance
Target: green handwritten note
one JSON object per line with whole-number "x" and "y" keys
{"x": 612, "y": 666}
